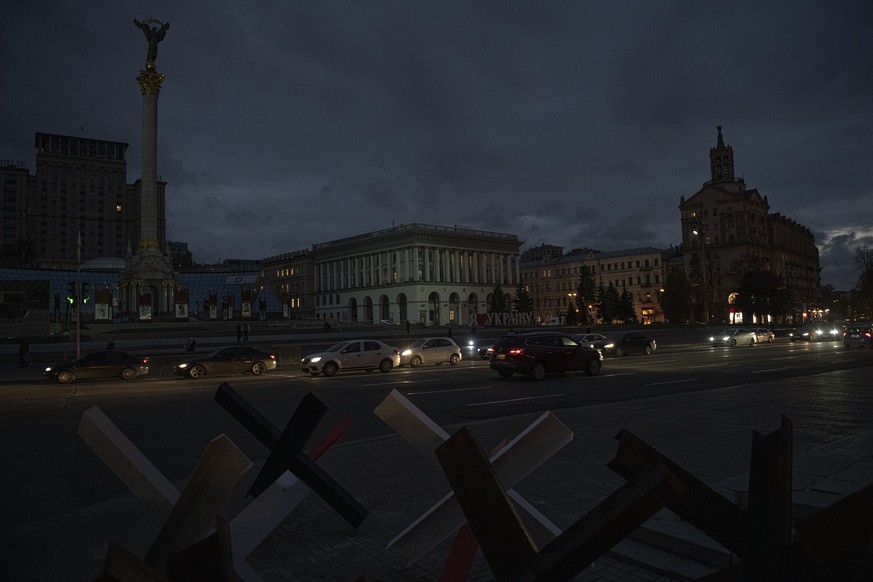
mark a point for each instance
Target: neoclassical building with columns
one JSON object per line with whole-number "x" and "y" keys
{"x": 421, "y": 273}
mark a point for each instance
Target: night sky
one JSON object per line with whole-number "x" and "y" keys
{"x": 579, "y": 124}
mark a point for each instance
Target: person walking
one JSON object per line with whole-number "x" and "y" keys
{"x": 245, "y": 333}
{"x": 407, "y": 327}
{"x": 238, "y": 333}
{"x": 110, "y": 345}
{"x": 23, "y": 350}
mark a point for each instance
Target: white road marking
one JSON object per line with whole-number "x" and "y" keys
{"x": 445, "y": 391}
{"x": 514, "y": 400}
{"x": 673, "y": 382}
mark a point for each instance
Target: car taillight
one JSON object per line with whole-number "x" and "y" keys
{"x": 145, "y": 360}
{"x": 515, "y": 351}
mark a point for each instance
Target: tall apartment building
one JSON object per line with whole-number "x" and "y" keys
{"x": 551, "y": 277}
{"x": 728, "y": 230}
{"x": 425, "y": 274}
{"x": 79, "y": 189}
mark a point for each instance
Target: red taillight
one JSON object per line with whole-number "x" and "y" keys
{"x": 515, "y": 351}
{"x": 273, "y": 356}
{"x": 145, "y": 360}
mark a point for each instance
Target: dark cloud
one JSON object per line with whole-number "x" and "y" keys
{"x": 567, "y": 123}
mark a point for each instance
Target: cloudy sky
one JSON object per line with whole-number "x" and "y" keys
{"x": 579, "y": 124}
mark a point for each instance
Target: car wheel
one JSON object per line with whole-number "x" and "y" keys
{"x": 733, "y": 343}
{"x": 196, "y": 372}
{"x": 385, "y": 366}
{"x": 504, "y": 372}
{"x": 415, "y": 361}
{"x": 329, "y": 369}
{"x": 128, "y": 374}
{"x": 66, "y": 377}
{"x": 752, "y": 342}
{"x": 619, "y": 352}
{"x": 593, "y": 367}
{"x": 258, "y": 368}
{"x": 537, "y": 371}
{"x": 648, "y": 350}
{"x": 454, "y": 359}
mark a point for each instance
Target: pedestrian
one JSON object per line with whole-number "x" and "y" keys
{"x": 23, "y": 350}
{"x": 110, "y": 345}
{"x": 450, "y": 333}
{"x": 246, "y": 333}
{"x": 190, "y": 344}
{"x": 407, "y": 327}
{"x": 238, "y": 333}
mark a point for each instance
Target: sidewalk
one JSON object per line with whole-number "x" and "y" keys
{"x": 396, "y": 484}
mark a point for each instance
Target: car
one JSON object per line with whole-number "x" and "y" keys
{"x": 485, "y": 352}
{"x": 430, "y": 350}
{"x": 622, "y": 344}
{"x": 358, "y": 354}
{"x": 588, "y": 339}
{"x": 817, "y": 331}
{"x": 537, "y": 353}
{"x": 97, "y": 365}
{"x": 858, "y": 334}
{"x": 229, "y": 360}
{"x": 733, "y": 336}
{"x": 762, "y": 334}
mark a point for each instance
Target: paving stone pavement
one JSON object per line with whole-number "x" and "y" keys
{"x": 708, "y": 433}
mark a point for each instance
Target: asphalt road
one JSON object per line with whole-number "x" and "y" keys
{"x": 47, "y": 468}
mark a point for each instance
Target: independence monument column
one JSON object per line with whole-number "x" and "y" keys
{"x": 148, "y": 283}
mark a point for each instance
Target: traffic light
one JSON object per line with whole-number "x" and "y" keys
{"x": 71, "y": 292}
{"x": 85, "y": 292}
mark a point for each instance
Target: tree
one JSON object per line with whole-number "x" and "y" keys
{"x": 607, "y": 302}
{"x": 676, "y": 297}
{"x": 585, "y": 294}
{"x": 498, "y": 300}
{"x": 626, "y": 311}
{"x": 862, "y": 299}
{"x": 762, "y": 293}
{"x": 522, "y": 303}
{"x": 572, "y": 317}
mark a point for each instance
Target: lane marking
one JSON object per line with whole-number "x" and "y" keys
{"x": 514, "y": 400}
{"x": 618, "y": 374}
{"x": 706, "y": 366}
{"x": 445, "y": 391}
{"x": 771, "y": 370}
{"x": 673, "y": 382}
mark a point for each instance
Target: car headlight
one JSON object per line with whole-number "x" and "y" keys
{"x": 406, "y": 353}
{"x": 49, "y": 369}
{"x": 316, "y": 359}
{"x": 712, "y": 338}
{"x": 182, "y": 366}
{"x": 608, "y": 346}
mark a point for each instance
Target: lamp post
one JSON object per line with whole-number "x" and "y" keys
{"x": 706, "y": 287}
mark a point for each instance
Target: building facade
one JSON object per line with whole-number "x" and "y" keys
{"x": 728, "y": 230}
{"x": 79, "y": 192}
{"x": 551, "y": 277}
{"x": 291, "y": 276}
{"x": 418, "y": 273}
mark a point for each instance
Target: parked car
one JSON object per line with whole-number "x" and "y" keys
{"x": 858, "y": 334}
{"x": 762, "y": 334}
{"x": 230, "y": 360}
{"x": 430, "y": 350}
{"x": 733, "y": 336}
{"x": 356, "y": 354}
{"x": 588, "y": 339}
{"x": 103, "y": 364}
{"x": 622, "y": 344}
{"x": 537, "y": 353}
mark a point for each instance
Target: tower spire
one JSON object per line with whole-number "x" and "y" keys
{"x": 721, "y": 160}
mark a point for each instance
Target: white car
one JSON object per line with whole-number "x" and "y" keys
{"x": 430, "y": 350}
{"x": 356, "y": 354}
{"x": 762, "y": 334}
{"x": 733, "y": 336}
{"x": 588, "y": 339}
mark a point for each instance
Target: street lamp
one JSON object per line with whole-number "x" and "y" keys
{"x": 706, "y": 287}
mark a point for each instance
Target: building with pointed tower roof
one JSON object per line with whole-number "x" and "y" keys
{"x": 728, "y": 230}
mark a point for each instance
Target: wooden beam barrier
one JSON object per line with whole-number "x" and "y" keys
{"x": 699, "y": 505}
{"x": 506, "y": 543}
{"x": 286, "y": 451}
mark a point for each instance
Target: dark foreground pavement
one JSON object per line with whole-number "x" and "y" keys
{"x": 708, "y": 433}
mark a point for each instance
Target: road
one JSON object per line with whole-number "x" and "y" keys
{"x": 48, "y": 469}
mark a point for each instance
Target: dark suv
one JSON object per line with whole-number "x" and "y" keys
{"x": 858, "y": 334}
{"x": 537, "y": 353}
